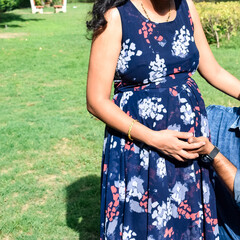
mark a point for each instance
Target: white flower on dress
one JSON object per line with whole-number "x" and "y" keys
{"x": 128, "y": 50}
{"x": 135, "y": 192}
{"x": 113, "y": 143}
{"x": 120, "y": 185}
{"x": 161, "y": 168}
{"x": 151, "y": 108}
{"x": 192, "y": 173}
{"x": 161, "y": 214}
{"x": 144, "y": 155}
{"x": 187, "y": 115}
{"x": 178, "y": 192}
{"x": 128, "y": 234}
{"x": 110, "y": 226}
{"x": 124, "y": 98}
{"x": 175, "y": 127}
{"x": 206, "y": 192}
{"x": 135, "y": 188}
{"x": 159, "y": 70}
{"x": 150, "y": 237}
{"x": 180, "y": 42}
{"x": 204, "y": 126}
{"x": 185, "y": 88}
{"x": 104, "y": 144}
{"x": 200, "y": 219}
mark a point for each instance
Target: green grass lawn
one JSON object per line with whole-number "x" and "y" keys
{"x": 50, "y": 145}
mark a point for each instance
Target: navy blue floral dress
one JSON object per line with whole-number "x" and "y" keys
{"x": 145, "y": 194}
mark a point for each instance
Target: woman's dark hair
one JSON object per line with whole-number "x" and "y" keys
{"x": 98, "y": 23}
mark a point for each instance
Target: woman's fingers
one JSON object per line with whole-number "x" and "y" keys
{"x": 179, "y": 158}
{"x": 191, "y": 140}
{"x": 191, "y": 146}
{"x": 183, "y": 135}
{"x": 196, "y": 150}
{"x": 188, "y": 155}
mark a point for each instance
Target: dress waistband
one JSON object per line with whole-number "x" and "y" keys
{"x": 168, "y": 82}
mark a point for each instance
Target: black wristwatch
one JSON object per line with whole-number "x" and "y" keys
{"x": 208, "y": 158}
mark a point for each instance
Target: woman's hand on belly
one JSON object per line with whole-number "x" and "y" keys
{"x": 172, "y": 143}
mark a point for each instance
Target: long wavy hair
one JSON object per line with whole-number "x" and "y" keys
{"x": 98, "y": 23}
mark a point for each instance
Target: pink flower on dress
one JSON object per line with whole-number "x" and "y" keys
{"x": 146, "y": 30}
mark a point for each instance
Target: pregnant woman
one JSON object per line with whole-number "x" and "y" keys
{"x": 153, "y": 185}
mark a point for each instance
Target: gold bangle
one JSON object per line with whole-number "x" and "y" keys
{"x": 130, "y": 129}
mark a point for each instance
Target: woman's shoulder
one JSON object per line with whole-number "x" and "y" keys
{"x": 112, "y": 15}
{"x": 113, "y": 19}
{"x": 192, "y": 8}
{"x": 112, "y": 29}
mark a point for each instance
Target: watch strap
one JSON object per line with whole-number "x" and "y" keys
{"x": 208, "y": 159}
{"x": 214, "y": 153}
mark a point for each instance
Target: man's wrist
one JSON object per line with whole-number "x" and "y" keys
{"x": 210, "y": 156}
{"x": 209, "y": 147}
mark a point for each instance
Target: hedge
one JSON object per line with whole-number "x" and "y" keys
{"x": 219, "y": 20}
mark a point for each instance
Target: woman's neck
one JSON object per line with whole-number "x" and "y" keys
{"x": 161, "y": 7}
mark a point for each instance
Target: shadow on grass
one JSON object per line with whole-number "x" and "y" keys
{"x": 83, "y": 207}
{"x": 7, "y": 18}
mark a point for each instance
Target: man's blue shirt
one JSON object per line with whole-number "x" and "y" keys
{"x": 224, "y": 123}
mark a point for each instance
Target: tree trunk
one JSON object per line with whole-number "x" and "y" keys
{"x": 217, "y": 38}
{"x": 228, "y": 36}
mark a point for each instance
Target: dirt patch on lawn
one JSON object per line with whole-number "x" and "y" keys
{"x": 12, "y": 35}
{"x": 47, "y": 179}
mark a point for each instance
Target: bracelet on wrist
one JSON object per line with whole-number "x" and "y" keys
{"x": 130, "y": 129}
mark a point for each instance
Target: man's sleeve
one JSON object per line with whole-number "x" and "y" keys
{"x": 237, "y": 188}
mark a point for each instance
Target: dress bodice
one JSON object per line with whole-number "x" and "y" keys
{"x": 155, "y": 54}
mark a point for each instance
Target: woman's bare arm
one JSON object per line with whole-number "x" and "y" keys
{"x": 102, "y": 64}
{"x": 208, "y": 66}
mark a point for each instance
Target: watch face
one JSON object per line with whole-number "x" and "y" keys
{"x": 206, "y": 159}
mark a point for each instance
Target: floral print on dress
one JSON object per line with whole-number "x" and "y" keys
{"x": 128, "y": 50}
{"x": 128, "y": 234}
{"x": 151, "y": 108}
{"x": 120, "y": 185}
{"x": 146, "y": 30}
{"x": 145, "y": 194}
{"x": 161, "y": 214}
{"x": 125, "y": 98}
{"x": 187, "y": 115}
{"x": 144, "y": 155}
{"x": 159, "y": 70}
{"x": 204, "y": 126}
{"x": 136, "y": 196}
{"x": 181, "y": 41}
{"x": 178, "y": 192}
{"x": 161, "y": 168}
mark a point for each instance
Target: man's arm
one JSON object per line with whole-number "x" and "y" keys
{"x": 226, "y": 171}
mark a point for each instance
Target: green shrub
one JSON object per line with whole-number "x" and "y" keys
{"x": 23, "y": 3}
{"x": 38, "y": 2}
{"x": 219, "y": 20}
{"x": 57, "y": 2}
{"x": 7, "y": 5}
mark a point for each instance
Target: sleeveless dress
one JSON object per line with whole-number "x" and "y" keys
{"x": 145, "y": 195}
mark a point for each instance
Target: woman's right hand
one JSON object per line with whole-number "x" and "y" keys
{"x": 169, "y": 142}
